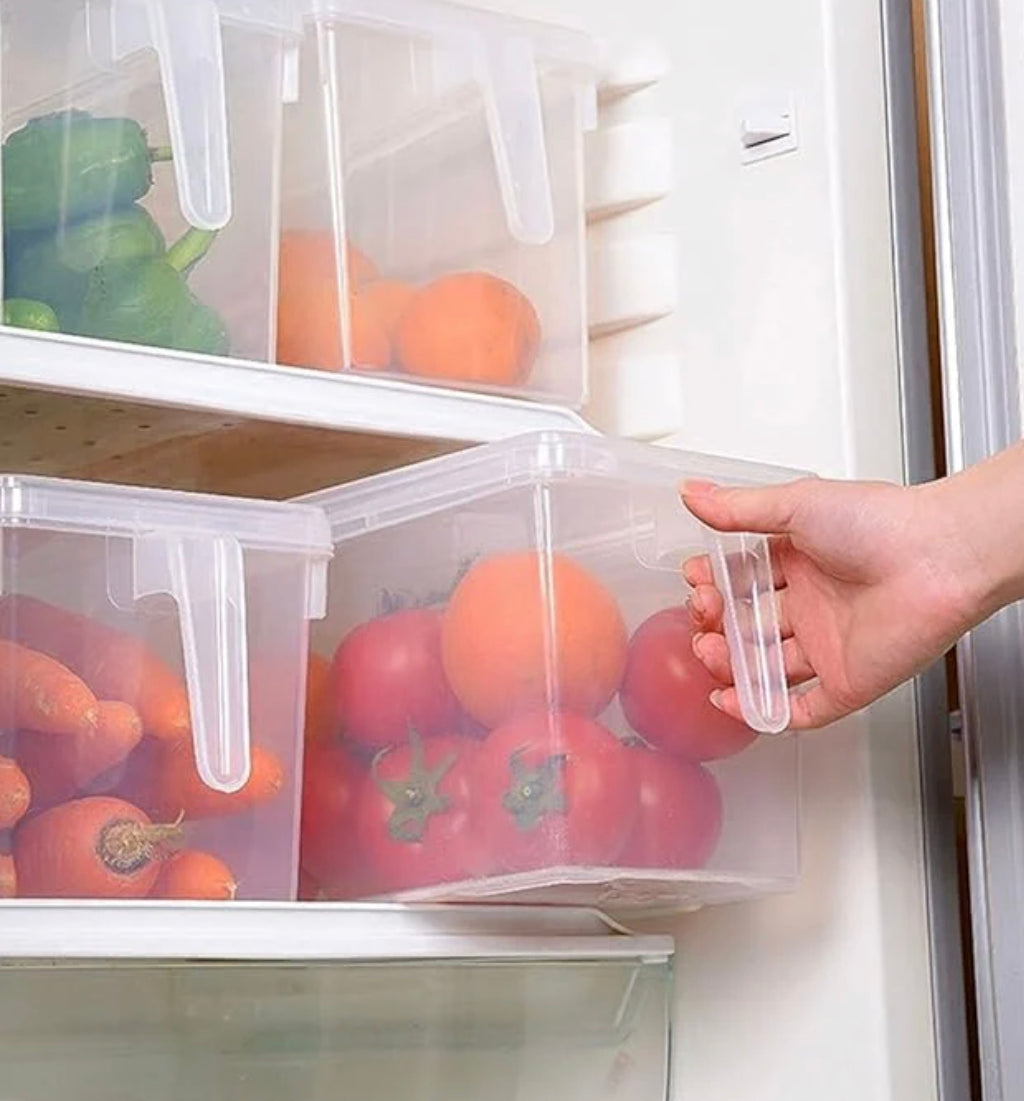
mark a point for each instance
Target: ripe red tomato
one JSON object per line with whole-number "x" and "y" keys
{"x": 665, "y": 693}
{"x": 554, "y": 789}
{"x": 414, "y": 818}
{"x": 330, "y": 782}
{"x": 388, "y": 678}
{"x": 680, "y": 817}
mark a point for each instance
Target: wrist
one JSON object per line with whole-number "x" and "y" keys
{"x": 983, "y": 521}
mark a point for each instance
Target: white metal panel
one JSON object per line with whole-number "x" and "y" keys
{"x": 786, "y": 339}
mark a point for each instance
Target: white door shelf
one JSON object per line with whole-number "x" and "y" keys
{"x": 313, "y": 931}
{"x": 249, "y": 390}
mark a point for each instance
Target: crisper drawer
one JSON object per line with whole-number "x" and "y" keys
{"x": 487, "y": 1017}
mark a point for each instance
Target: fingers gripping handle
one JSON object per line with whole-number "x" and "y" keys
{"x": 743, "y": 573}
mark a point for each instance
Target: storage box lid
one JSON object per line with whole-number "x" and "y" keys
{"x": 502, "y": 54}
{"x": 190, "y": 547}
{"x": 398, "y": 496}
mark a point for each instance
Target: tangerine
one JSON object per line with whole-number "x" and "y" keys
{"x": 469, "y": 327}
{"x": 526, "y": 631}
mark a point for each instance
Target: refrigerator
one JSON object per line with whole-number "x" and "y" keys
{"x": 759, "y": 261}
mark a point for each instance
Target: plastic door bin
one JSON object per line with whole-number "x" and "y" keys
{"x": 152, "y": 665}
{"x": 140, "y": 169}
{"x": 432, "y": 184}
{"x": 507, "y": 700}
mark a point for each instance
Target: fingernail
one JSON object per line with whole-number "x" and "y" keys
{"x": 716, "y": 699}
{"x": 695, "y": 487}
{"x": 698, "y": 642}
{"x": 696, "y": 603}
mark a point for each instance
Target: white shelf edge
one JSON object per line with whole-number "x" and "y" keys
{"x": 73, "y": 930}
{"x": 260, "y": 391}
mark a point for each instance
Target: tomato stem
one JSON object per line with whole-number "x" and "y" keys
{"x": 415, "y": 798}
{"x": 535, "y": 792}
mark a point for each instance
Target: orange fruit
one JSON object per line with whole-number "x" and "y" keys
{"x": 308, "y": 318}
{"x": 526, "y": 631}
{"x": 387, "y": 299}
{"x": 371, "y": 345}
{"x": 469, "y": 327}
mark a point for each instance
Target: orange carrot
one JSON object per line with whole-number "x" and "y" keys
{"x": 15, "y": 793}
{"x": 195, "y": 874}
{"x": 60, "y": 768}
{"x": 320, "y": 718}
{"x": 165, "y": 781}
{"x": 90, "y": 848}
{"x": 8, "y": 877}
{"x": 115, "y": 665}
{"x": 38, "y": 693}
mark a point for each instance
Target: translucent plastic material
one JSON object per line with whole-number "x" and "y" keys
{"x": 513, "y": 706}
{"x": 476, "y": 1030}
{"x": 190, "y": 614}
{"x": 433, "y": 186}
{"x": 90, "y": 207}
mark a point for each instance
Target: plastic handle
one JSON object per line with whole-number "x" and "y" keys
{"x": 743, "y": 574}
{"x": 187, "y": 39}
{"x": 206, "y": 577}
{"x": 188, "y": 43}
{"x": 507, "y": 73}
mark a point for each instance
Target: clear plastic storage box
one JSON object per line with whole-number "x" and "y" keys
{"x": 152, "y": 666}
{"x": 140, "y": 169}
{"x": 504, "y": 699}
{"x": 432, "y": 185}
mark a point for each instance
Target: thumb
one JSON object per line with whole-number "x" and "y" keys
{"x": 767, "y": 510}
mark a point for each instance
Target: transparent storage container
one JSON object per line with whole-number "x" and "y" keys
{"x": 504, "y": 700}
{"x": 140, "y": 169}
{"x": 432, "y": 185}
{"x": 152, "y": 669}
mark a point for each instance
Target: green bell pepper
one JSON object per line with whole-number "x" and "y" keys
{"x": 54, "y": 267}
{"x": 23, "y": 313}
{"x": 66, "y": 166}
{"x": 148, "y": 301}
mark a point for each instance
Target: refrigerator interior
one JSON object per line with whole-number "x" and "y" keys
{"x": 786, "y": 294}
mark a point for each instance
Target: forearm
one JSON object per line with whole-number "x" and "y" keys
{"x": 985, "y": 507}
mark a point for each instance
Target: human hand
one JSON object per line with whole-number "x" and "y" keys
{"x": 874, "y": 582}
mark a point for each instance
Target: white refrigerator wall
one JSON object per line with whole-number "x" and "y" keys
{"x": 785, "y": 338}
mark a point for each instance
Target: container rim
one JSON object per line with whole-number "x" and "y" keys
{"x": 551, "y": 41}
{"x": 538, "y": 458}
{"x": 94, "y": 508}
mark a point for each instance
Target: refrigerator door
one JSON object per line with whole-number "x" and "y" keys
{"x": 975, "y": 56}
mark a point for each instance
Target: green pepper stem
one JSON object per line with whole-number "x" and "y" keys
{"x": 160, "y": 153}
{"x": 190, "y": 248}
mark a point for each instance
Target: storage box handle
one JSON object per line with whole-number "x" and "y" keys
{"x": 187, "y": 39}
{"x": 507, "y": 73}
{"x": 743, "y": 574}
{"x": 205, "y": 575}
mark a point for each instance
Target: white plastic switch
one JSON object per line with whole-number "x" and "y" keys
{"x": 767, "y": 129}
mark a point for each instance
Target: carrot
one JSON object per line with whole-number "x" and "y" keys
{"x": 8, "y": 877}
{"x": 15, "y": 793}
{"x": 59, "y": 768}
{"x": 321, "y": 722}
{"x": 195, "y": 874}
{"x": 38, "y": 693}
{"x": 90, "y": 848}
{"x": 170, "y": 786}
{"x": 115, "y": 665}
